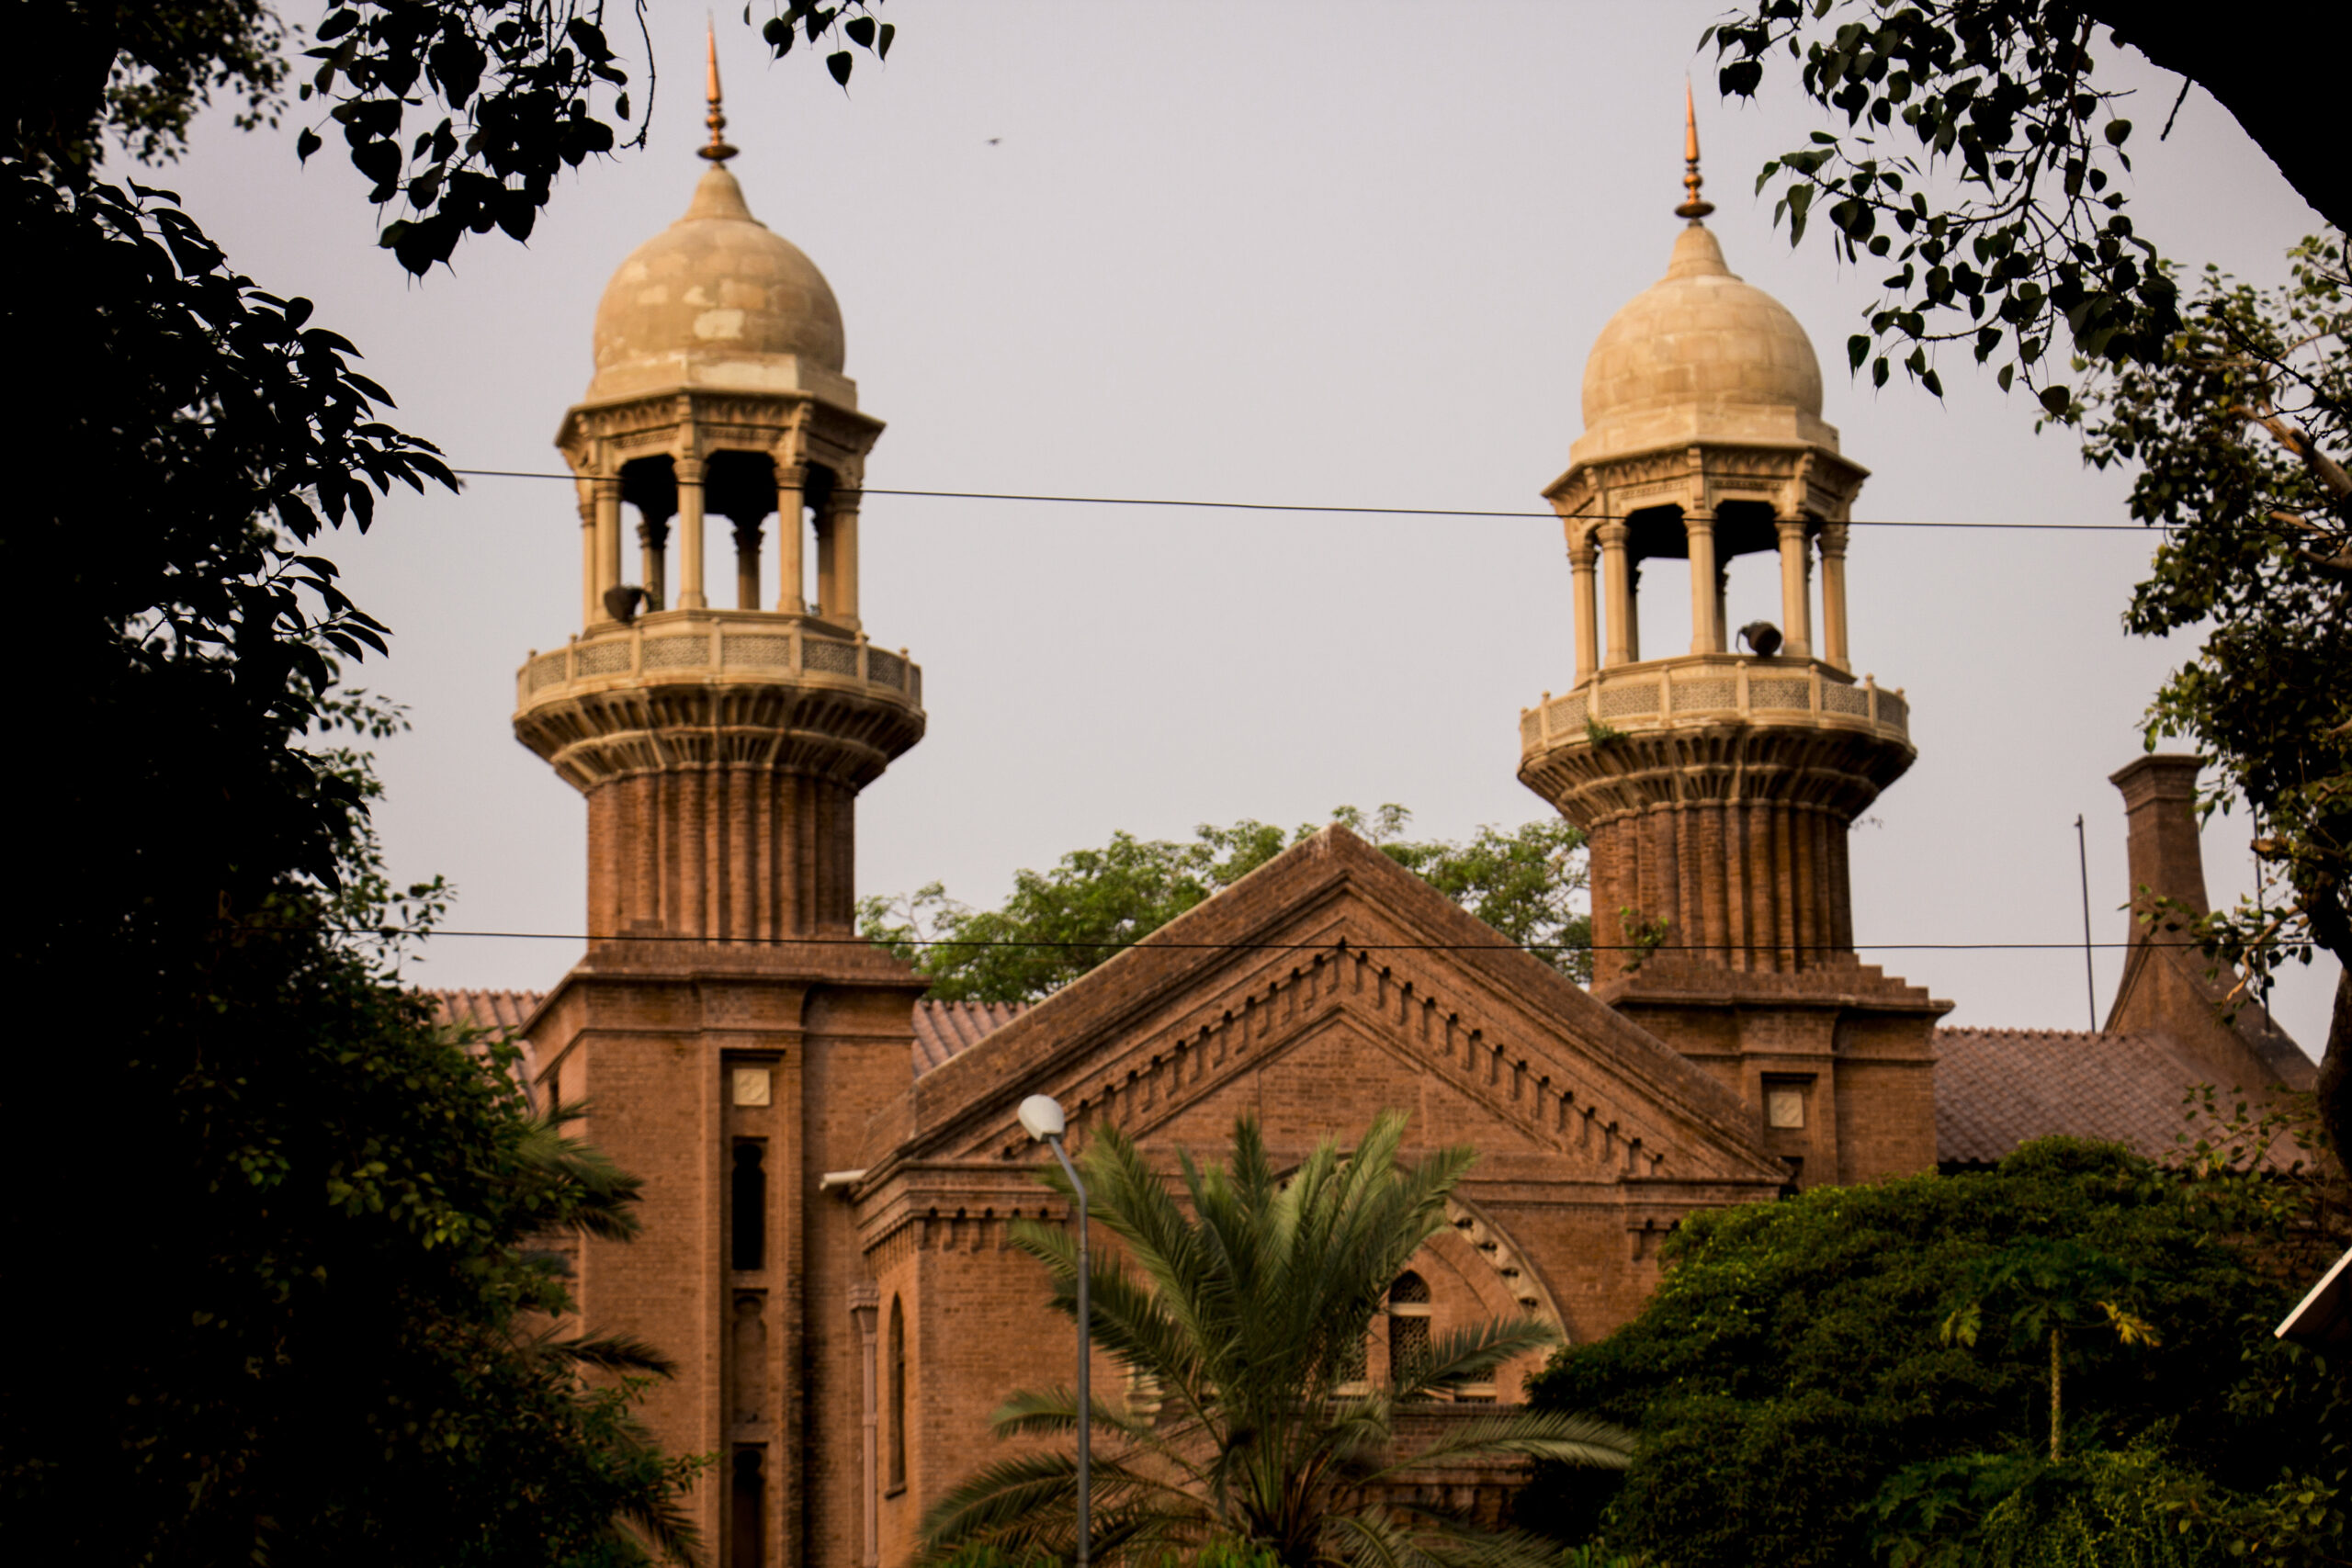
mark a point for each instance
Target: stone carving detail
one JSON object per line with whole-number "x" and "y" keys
{"x": 1618, "y": 701}
{"x": 758, "y": 652}
{"x": 831, "y": 658}
{"x": 602, "y": 658}
{"x": 1780, "y": 694}
{"x": 678, "y": 653}
{"x": 887, "y": 668}
{"x": 1697, "y": 697}
{"x": 1845, "y": 699}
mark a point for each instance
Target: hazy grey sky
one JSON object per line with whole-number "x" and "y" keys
{"x": 1341, "y": 254}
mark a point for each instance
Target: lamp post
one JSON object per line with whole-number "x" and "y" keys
{"x": 1041, "y": 1118}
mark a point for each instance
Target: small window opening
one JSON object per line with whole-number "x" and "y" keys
{"x": 1408, "y": 1327}
{"x": 749, "y": 1242}
{"x": 749, "y": 1508}
{"x": 898, "y": 1394}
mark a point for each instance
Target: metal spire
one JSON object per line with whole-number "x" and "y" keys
{"x": 718, "y": 151}
{"x": 1693, "y": 207}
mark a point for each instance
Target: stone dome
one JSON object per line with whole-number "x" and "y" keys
{"x": 717, "y": 300}
{"x": 1699, "y": 356}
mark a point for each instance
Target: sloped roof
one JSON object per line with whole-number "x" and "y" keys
{"x": 486, "y": 1009}
{"x": 1996, "y": 1088}
{"x": 949, "y": 1029}
{"x": 1333, "y": 917}
{"x": 941, "y": 1029}
{"x": 501, "y": 1014}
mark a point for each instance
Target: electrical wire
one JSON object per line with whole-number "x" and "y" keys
{"x": 2289, "y": 945}
{"x": 1374, "y": 510}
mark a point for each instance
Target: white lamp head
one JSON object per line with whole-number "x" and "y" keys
{"x": 1041, "y": 1117}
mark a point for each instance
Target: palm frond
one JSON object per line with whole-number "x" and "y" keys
{"x": 1561, "y": 1436}
{"x": 1018, "y": 1502}
{"x": 1473, "y": 1353}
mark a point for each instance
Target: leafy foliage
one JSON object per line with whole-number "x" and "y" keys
{"x": 2106, "y": 1510}
{"x": 1062, "y": 923}
{"x": 289, "y": 1293}
{"x": 462, "y": 112}
{"x": 1998, "y": 100}
{"x": 1246, "y": 1306}
{"x": 2239, "y": 435}
{"x": 1792, "y": 1367}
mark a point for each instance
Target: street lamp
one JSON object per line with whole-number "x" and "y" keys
{"x": 1041, "y": 1118}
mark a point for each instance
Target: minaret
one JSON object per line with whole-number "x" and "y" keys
{"x": 1717, "y": 786}
{"x": 730, "y": 1036}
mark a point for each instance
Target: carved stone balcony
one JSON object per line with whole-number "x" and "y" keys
{"x": 1714, "y": 728}
{"x": 699, "y": 688}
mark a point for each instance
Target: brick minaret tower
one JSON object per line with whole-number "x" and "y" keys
{"x": 729, "y": 1034}
{"x": 1718, "y": 786}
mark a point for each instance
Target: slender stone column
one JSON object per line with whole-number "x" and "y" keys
{"x": 791, "y": 531}
{"x": 1587, "y": 611}
{"x": 1618, "y": 582}
{"x": 592, "y": 598}
{"x": 1706, "y": 612}
{"x": 839, "y": 573}
{"x": 691, "y": 595}
{"x": 747, "y": 564}
{"x": 653, "y": 544}
{"x": 1796, "y": 596}
{"x": 1833, "y": 596}
{"x": 864, "y": 1304}
{"x": 608, "y": 542}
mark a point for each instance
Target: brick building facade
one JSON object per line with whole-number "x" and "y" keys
{"x": 832, "y": 1162}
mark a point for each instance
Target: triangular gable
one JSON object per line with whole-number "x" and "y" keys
{"x": 1333, "y": 958}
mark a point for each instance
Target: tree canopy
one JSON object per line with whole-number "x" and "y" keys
{"x": 288, "y": 1274}
{"x": 1246, "y": 1307}
{"x": 459, "y": 114}
{"x": 1801, "y": 1399}
{"x": 1060, "y": 923}
{"x": 1983, "y": 155}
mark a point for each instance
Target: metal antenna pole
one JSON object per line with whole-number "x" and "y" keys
{"x": 2090, "y": 978}
{"x": 1085, "y": 1357}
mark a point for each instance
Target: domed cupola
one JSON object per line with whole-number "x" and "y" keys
{"x": 1701, "y": 355}
{"x": 718, "y": 299}
{"x": 1717, "y": 787}
{"x": 721, "y": 738}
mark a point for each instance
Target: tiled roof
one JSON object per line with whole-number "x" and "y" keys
{"x": 949, "y": 1029}
{"x": 500, "y": 1012}
{"x": 1996, "y": 1088}
{"x": 941, "y": 1029}
{"x": 486, "y": 1009}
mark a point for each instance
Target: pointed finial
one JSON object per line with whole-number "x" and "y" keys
{"x": 718, "y": 151}
{"x": 1693, "y": 207}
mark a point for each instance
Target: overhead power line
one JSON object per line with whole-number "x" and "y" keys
{"x": 1371, "y": 510}
{"x": 2291, "y": 944}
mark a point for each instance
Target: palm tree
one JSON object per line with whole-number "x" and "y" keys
{"x": 1244, "y": 1308}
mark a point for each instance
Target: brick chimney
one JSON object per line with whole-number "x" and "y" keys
{"x": 2160, "y": 812}
{"x": 2170, "y": 991}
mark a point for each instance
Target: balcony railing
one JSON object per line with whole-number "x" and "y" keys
{"x": 1715, "y": 689}
{"x": 717, "y": 647}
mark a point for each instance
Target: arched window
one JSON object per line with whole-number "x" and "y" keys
{"x": 898, "y": 1394}
{"x": 1408, "y": 1326}
{"x": 749, "y": 1248}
